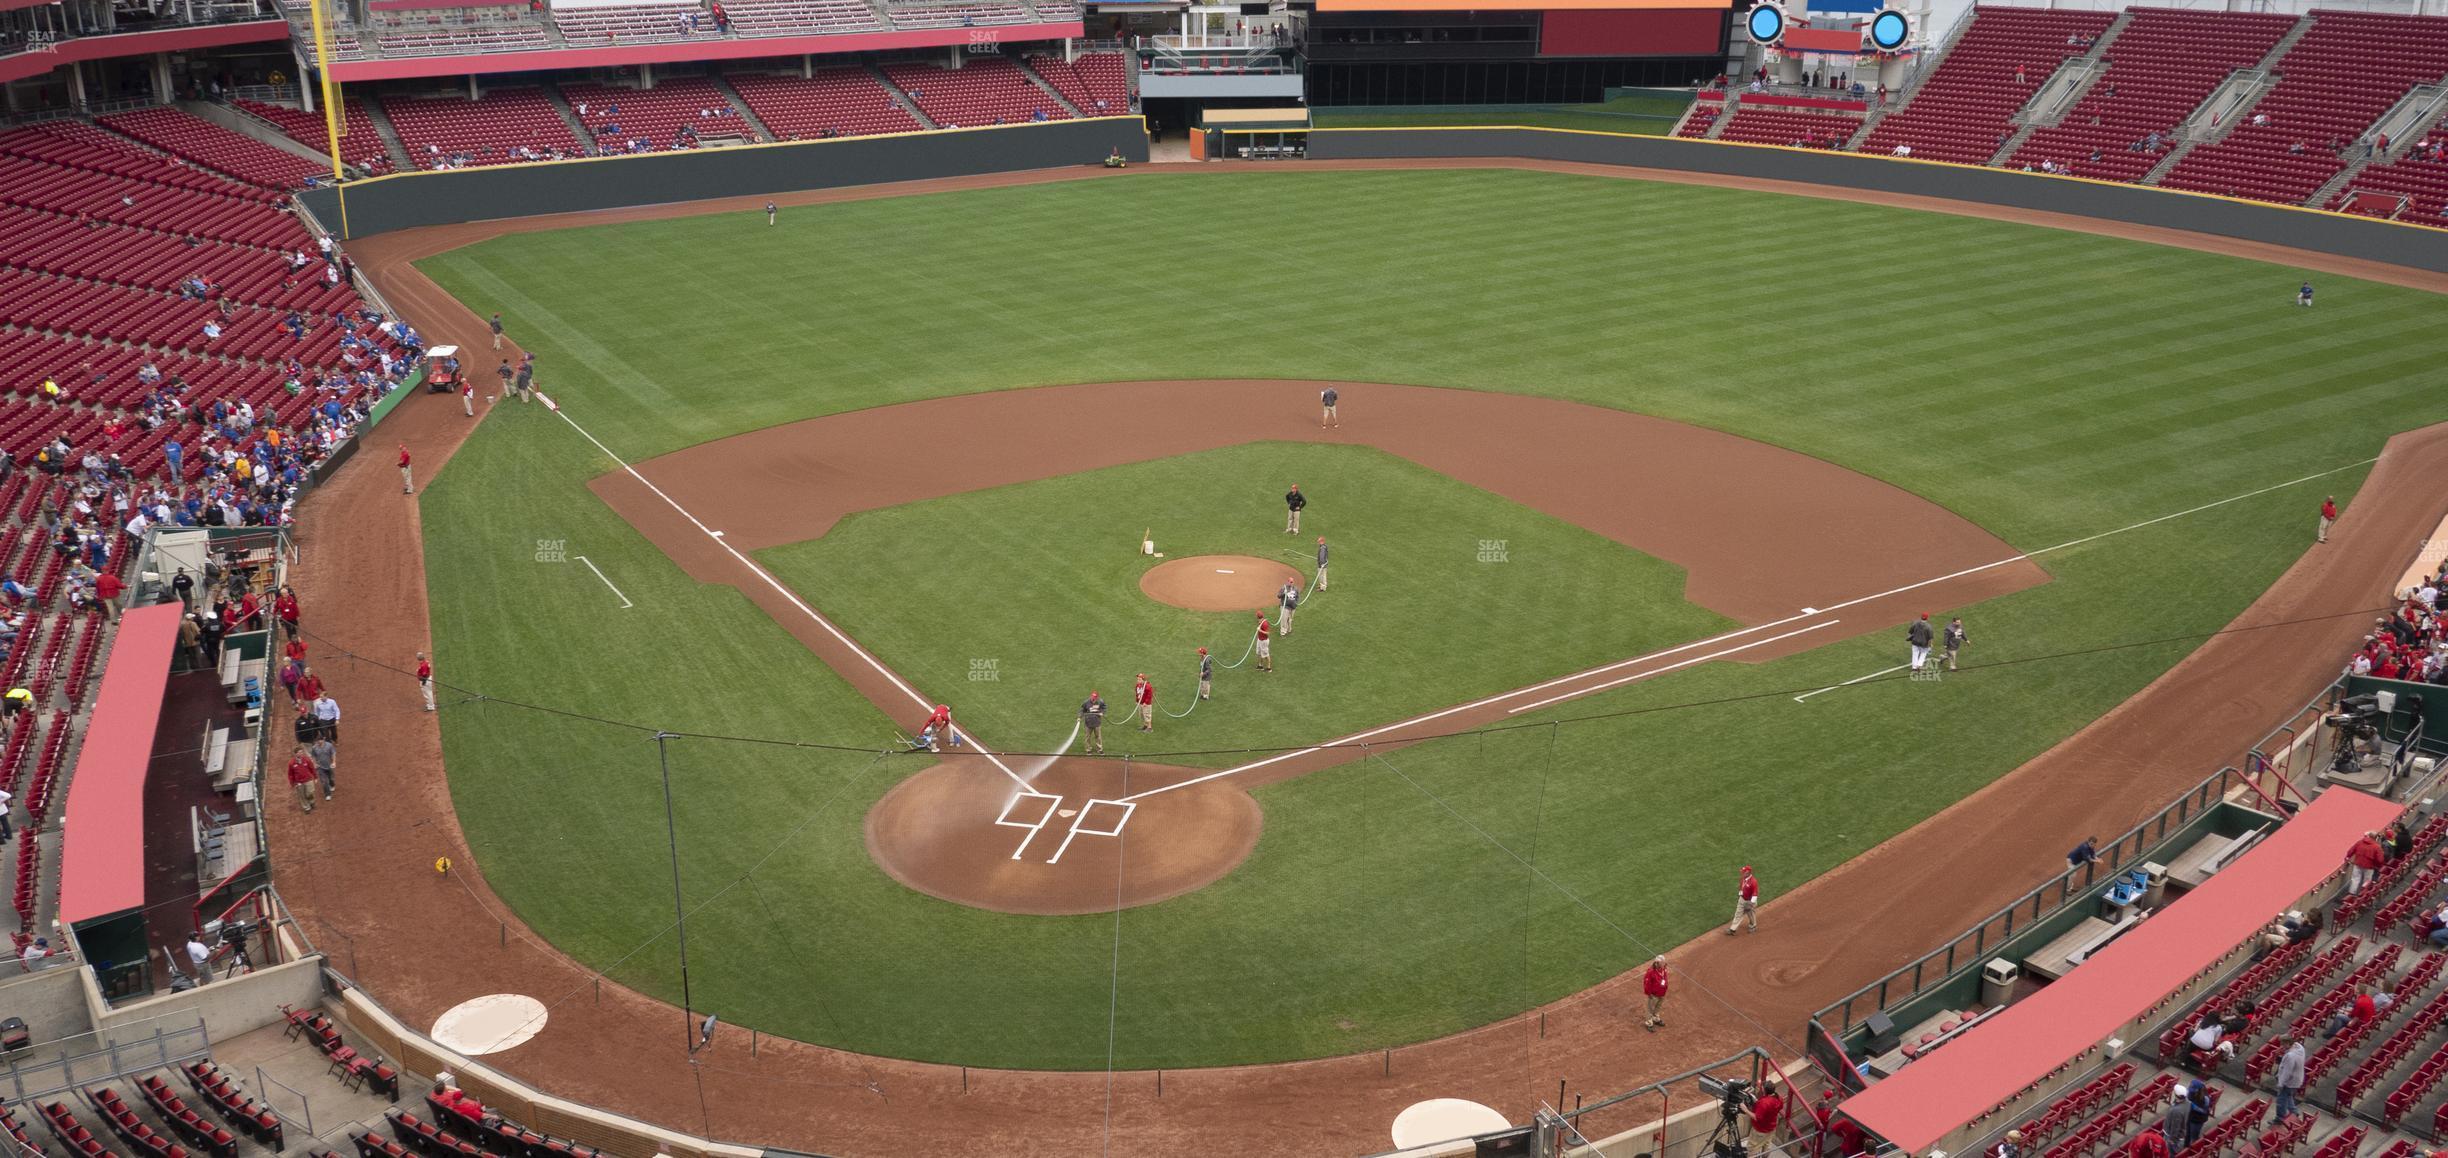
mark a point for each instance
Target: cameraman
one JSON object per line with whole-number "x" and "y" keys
{"x": 1767, "y": 1108}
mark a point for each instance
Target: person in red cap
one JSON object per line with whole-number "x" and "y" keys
{"x": 938, "y": 724}
{"x": 1266, "y": 661}
{"x": 407, "y": 481}
{"x": 1919, "y": 636}
{"x": 1144, "y": 694}
{"x": 1746, "y": 903}
{"x": 1206, "y": 674}
{"x": 1653, "y": 987}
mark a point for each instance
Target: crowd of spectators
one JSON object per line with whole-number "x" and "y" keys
{"x": 2410, "y": 643}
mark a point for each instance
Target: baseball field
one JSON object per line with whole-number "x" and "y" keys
{"x": 2056, "y": 394}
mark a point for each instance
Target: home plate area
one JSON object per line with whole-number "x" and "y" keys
{"x": 1071, "y": 841}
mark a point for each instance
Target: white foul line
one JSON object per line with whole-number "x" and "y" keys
{"x": 1681, "y": 663}
{"x": 783, "y": 591}
{"x": 1735, "y": 634}
{"x": 1853, "y": 681}
{"x": 625, "y": 604}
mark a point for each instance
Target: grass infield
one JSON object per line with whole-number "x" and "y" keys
{"x": 1017, "y": 601}
{"x": 2044, "y": 384}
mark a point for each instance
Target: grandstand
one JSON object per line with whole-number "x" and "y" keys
{"x": 844, "y": 102}
{"x": 1963, "y": 111}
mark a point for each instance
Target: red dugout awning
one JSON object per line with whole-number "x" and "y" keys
{"x": 102, "y": 859}
{"x": 1999, "y": 1057}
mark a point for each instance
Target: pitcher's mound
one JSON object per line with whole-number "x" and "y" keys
{"x": 1218, "y": 582}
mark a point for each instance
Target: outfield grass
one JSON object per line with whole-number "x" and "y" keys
{"x": 2046, "y": 385}
{"x": 1648, "y": 116}
{"x": 1039, "y": 583}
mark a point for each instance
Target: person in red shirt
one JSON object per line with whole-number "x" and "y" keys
{"x": 1767, "y": 1112}
{"x": 309, "y": 686}
{"x": 250, "y": 613}
{"x": 302, "y": 779}
{"x": 424, "y": 672}
{"x": 1746, "y": 903}
{"x": 295, "y": 651}
{"x": 285, "y": 609}
{"x": 1653, "y": 987}
{"x": 1823, "y": 1115}
{"x": 1143, "y": 694}
{"x": 2363, "y": 862}
{"x": 107, "y": 589}
{"x": 2150, "y": 1145}
{"x": 407, "y": 481}
{"x": 1266, "y": 659}
{"x": 2328, "y": 516}
{"x": 1849, "y": 1137}
{"x": 937, "y": 728}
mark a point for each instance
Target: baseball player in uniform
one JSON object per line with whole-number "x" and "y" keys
{"x": 1266, "y": 660}
{"x": 1206, "y": 673}
{"x": 1918, "y": 635}
{"x": 1953, "y": 638}
{"x": 1321, "y": 584}
{"x": 1293, "y": 502}
{"x": 938, "y": 726}
{"x": 1286, "y": 601}
{"x": 1144, "y": 694}
{"x": 1328, "y": 397}
{"x": 1092, "y": 721}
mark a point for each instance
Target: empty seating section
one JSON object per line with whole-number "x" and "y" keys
{"x": 353, "y": 1069}
{"x": 1964, "y": 111}
{"x": 464, "y": 30}
{"x": 53, "y": 242}
{"x": 214, "y": 1141}
{"x": 634, "y": 24}
{"x": 2265, "y": 1059}
{"x": 987, "y": 91}
{"x": 221, "y": 150}
{"x": 479, "y": 132}
{"x": 2334, "y": 83}
{"x": 2078, "y": 1103}
{"x": 800, "y": 17}
{"x": 655, "y": 115}
{"x": 2122, "y": 1113}
{"x": 1095, "y": 76}
{"x": 361, "y": 144}
{"x": 843, "y": 102}
{"x": 2161, "y": 66}
{"x": 226, "y": 1098}
{"x": 1783, "y": 127}
{"x": 957, "y": 15}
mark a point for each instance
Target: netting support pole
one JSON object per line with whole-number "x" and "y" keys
{"x": 671, "y": 836}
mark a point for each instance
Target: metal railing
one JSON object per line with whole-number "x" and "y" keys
{"x": 110, "y": 1062}
{"x": 1967, "y": 950}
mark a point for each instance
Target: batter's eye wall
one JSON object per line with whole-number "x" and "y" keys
{"x": 443, "y": 198}
{"x": 2367, "y": 240}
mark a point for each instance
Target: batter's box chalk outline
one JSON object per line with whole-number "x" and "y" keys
{"x": 1044, "y": 818}
{"x": 1080, "y": 824}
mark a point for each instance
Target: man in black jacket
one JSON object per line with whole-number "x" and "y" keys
{"x": 1919, "y": 636}
{"x": 1293, "y": 502}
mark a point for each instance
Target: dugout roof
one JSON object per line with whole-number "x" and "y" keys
{"x": 1999, "y": 1057}
{"x": 102, "y": 862}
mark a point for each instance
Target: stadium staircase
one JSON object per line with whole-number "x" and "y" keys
{"x": 901, "y": 98}
{"x": 2264, "y": 77}
{"x": 722, "y": 84}
{"x": 569, "y": 115}
{"x": 2424, "y": 184}
{"x": 2434, "y": 99}
{"x": 1038, "y": 79}
{"x": 1924, "y": 69}
{"x": 2167, "y": 63}
{"x": 1964, "y": 111}
{"x": 2092, "y": 65}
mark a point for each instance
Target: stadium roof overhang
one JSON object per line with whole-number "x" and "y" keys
{"x": 46, "y": 57}
{"x": 743, "y": 48}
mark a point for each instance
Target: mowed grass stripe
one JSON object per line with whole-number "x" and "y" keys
{"x": 2044, "y": 384}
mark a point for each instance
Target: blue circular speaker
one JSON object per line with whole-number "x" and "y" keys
{"x": 1765, "y": 24}
{"x": 1889, "y": 30}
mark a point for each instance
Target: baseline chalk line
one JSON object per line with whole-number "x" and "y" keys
{"x": 1856, "y": 679}
{"x": 625, "y": 604}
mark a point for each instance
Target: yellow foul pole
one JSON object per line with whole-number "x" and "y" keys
{"x": 331, "y": 108}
